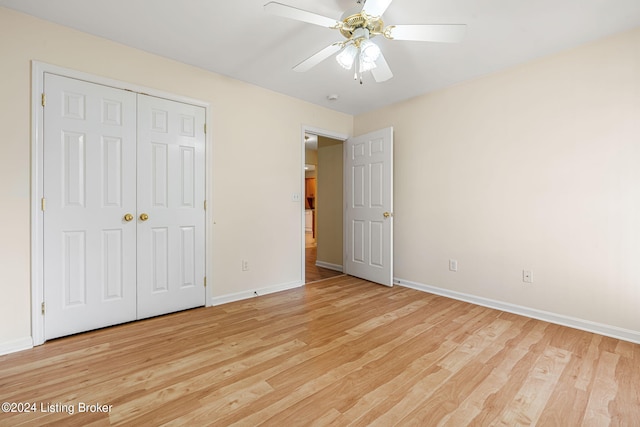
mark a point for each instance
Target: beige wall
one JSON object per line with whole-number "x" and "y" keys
{"x": 310, "y": 158}
{"x": 329, "y": 201}
{"x": 532, "y": 168}
{"x": 255, "y": 218}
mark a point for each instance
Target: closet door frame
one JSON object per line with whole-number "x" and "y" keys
{"x": 38, "y": 70}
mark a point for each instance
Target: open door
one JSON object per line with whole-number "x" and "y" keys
{"x": 368, "y": 192}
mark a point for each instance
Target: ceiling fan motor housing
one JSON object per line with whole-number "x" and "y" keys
{"x": 353, "y": 21}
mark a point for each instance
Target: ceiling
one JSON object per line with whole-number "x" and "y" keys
{"x": 239, "y": 40}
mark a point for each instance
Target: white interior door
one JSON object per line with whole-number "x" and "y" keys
{"x": 89, "y": 186}
{"x": 369, "y": 206}
{"x": 124, "y": 219}
{"x": 171, "y": 193}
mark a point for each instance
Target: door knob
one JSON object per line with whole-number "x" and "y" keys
{"x": 387, "y": 214}
{"x": 128, "y": 217}
{"x": 144, "y": 217}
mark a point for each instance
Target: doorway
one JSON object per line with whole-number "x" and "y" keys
{"x": 365, "y": 207}
{"x": 323, "y": 199}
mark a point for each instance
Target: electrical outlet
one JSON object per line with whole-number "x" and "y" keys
{"x": 527, "y": 276}
{"x": 245, "y": 265}
{"x": 453, "y": 265}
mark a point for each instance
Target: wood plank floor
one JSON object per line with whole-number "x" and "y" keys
{"x": 313, "y": 273}
{"x": 336, "y": 352}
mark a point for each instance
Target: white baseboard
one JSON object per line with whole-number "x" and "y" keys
{"x": 224, "y": 299}
{"x": 559, "y": 319}
{"x": 16, "y": 345}
{"x": 329, "y": 266}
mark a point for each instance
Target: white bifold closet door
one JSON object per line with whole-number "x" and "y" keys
{"x": 111, "y": 156}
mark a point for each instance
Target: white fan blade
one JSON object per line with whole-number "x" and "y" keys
{"x": 376, "y": 7}
{"x": 299, "y": 14}
{"x": 314, "y": 60}
{"x": 450, "y": 33}
{"x": 382, "y": 72}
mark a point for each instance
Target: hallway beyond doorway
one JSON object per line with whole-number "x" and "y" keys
{"x": 314, "y": 273}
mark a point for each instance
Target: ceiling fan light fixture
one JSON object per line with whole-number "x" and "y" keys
{"x": 366, "y": 65}
{"x": 369, "y": 51}
{"x": 347, "y": 56}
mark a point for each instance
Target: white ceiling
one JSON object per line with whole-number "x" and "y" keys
{"x": 239, "y": 40}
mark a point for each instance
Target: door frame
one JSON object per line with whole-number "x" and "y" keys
{"x": 320, "y": 132}
{"x": 37, "y": 166}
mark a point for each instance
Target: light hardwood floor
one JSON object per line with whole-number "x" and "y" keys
{"x": 336, "y": 352}
{"x": 312, "y": 272}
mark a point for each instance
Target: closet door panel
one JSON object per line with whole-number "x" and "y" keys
{"x": 171, "y": 194}
{"x": 89, "y": 186}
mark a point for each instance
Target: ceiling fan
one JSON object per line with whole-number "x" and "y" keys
{"x": 359, "y": 25}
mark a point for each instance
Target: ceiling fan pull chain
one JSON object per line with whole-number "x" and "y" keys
{"x": 359, "y": 65}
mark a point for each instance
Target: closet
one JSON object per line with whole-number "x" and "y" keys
{"x": 123, "y": 206}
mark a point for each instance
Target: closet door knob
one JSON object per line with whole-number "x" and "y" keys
{"x": 144, "y": 217}
{"x": 128, "y": 217}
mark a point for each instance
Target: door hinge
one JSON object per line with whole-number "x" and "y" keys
{"x": 205, "y": 205}
{"x": 43, "y": 204}
{"x": 205, "y": 128}
{"x": 42, "y": 308}
{"x": 205, "y": 281}
{"x": 44, "y": 99}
